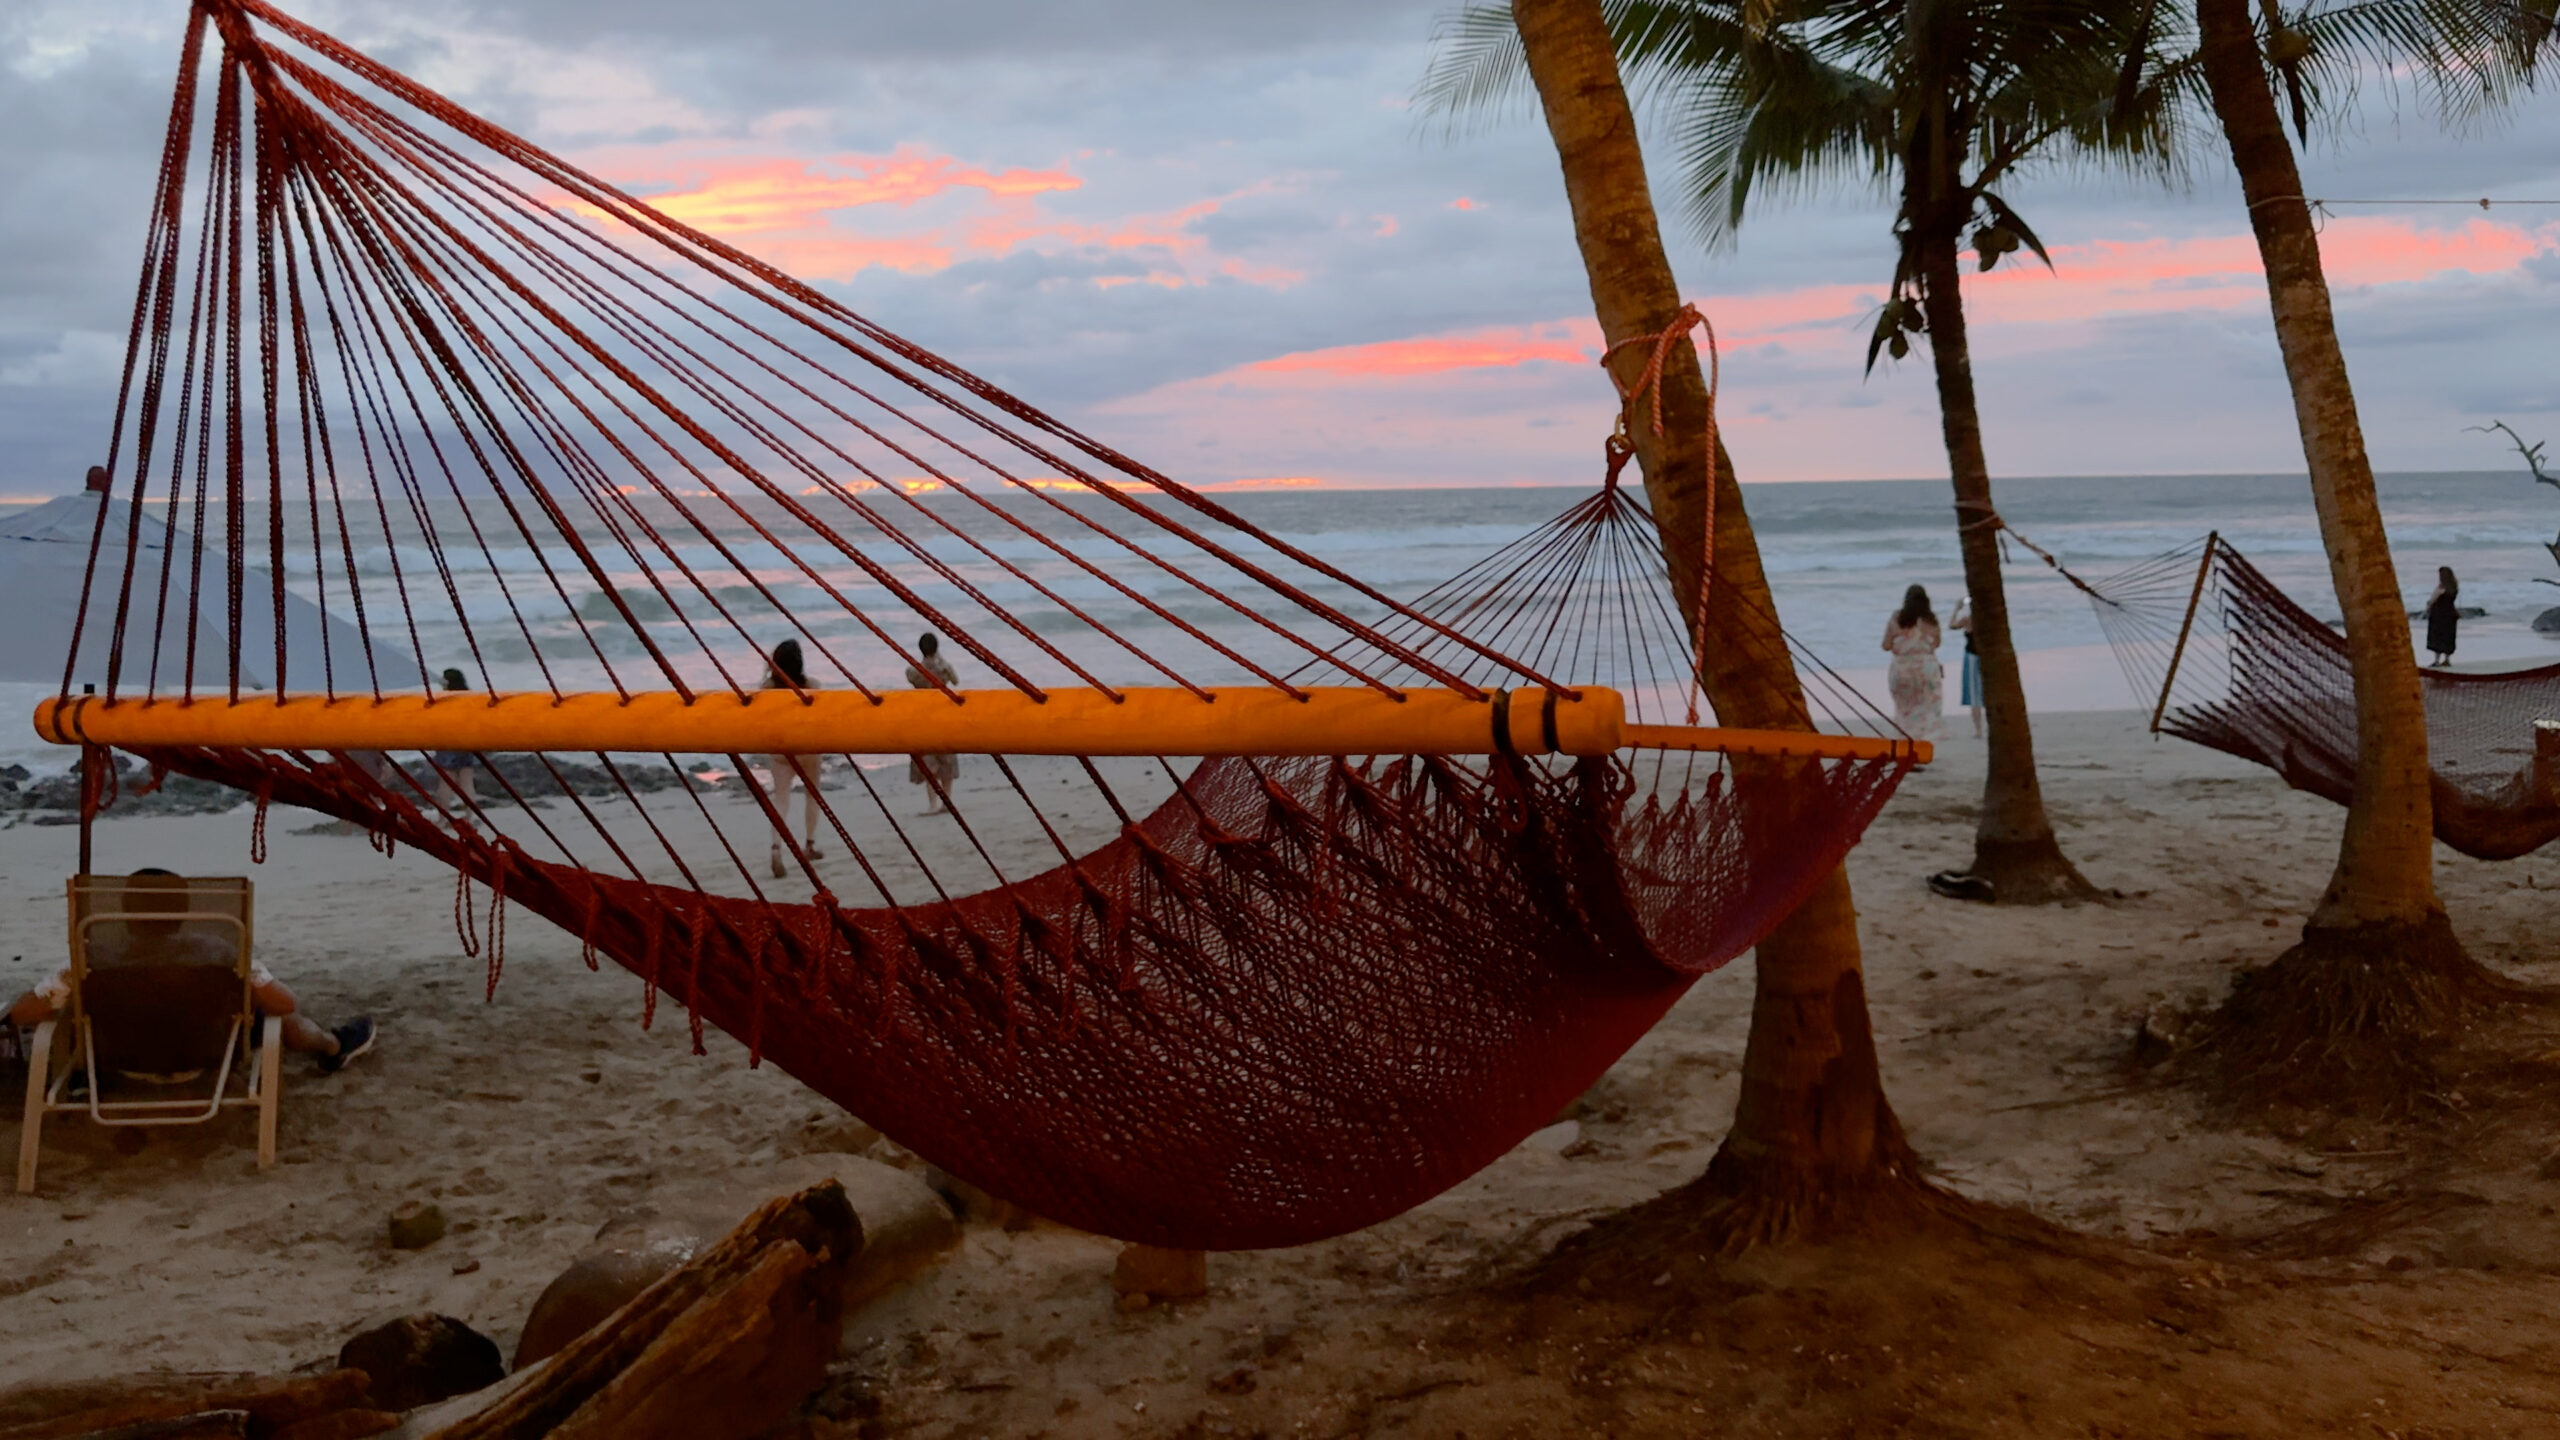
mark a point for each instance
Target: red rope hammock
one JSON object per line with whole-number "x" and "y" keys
{"x": 491, "y": 415}
{"x": 2236, "y": 665}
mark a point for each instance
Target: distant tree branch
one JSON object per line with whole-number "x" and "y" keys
{"x": 2532, "y": 453}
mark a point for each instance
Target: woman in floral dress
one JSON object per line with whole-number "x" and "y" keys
{"x": 1917, "y": 680}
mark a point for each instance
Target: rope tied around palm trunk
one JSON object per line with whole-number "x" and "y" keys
{"x": 1992, "y": 520}
{"x": 1649, "y": 385}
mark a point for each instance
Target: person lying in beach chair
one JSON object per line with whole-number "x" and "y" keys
{"x": 162, "y": 991}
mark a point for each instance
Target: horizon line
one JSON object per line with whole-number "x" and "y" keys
{"x": 1229, "y": 487}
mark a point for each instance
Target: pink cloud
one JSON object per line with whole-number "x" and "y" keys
{"x": 1559, "y": 343}
{"x": 1016, "y": 227}
{"x": 800, "y": 213}
{"x": 2222, "y": 271}
{"x": 2111, "y": 278}
{"x": 2088, "y": 282}
{"x": 1463, "y": 203}
{"x": 1520, "y": 403}
{"x": 744, "y": 195}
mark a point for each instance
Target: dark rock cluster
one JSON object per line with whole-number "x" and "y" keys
{"x": 30, "y": 799}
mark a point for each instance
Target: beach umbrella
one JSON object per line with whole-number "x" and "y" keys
{"x": 44, "y": 556}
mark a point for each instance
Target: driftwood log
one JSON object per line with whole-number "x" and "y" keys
{"x": 181, "y": 1406}
{"x": 725, "y": 1348}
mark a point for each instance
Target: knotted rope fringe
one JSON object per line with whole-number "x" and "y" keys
{"x": 497, "y": 919}
{"x": 464, "y": 926}
{"x": 1649, "y": 385}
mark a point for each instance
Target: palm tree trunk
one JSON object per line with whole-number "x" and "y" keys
{"x": 2385, "y": 871}
{"x": 1812, "y": 1134}
{"x": 2379, "y": 930}
{"x": 2013, "y": 842}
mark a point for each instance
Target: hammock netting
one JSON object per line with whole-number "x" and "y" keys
{"x": 2237, "y": 665}
{"x": 495, "y": 415}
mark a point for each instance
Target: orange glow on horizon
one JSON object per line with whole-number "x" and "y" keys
{"x": 1271, "y": 482}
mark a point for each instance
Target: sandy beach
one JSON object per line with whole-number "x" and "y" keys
{"x": 533, "y": 1118}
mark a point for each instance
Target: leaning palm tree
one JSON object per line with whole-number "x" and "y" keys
{"x": 1814, "y": 1144}
{"x": 2378, "y": 963}
{"x": 1944, "y": 101}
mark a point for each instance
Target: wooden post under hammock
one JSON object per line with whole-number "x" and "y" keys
{"x": 2204, "y": 572}
{"x": 1344, "y": 720}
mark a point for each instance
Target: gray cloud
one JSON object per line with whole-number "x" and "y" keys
{"x": 1044, "y": 31}
{"x": 1293, "y": 117}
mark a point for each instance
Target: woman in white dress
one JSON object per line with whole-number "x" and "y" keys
{"x": 1917, "y": 680}
{"x": 784, "y": 671}
{"x": 934, "y": 772}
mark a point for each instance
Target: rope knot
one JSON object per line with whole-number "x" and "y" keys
{"x": 1992, "y": 521}
{"x": 1619, "y": 450}
{"x": 1990, "y": 517}
{"x": 1649, "y": 385}
{"x": 258, "y": 825}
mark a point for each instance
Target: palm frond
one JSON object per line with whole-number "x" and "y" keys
{"x": 1788, "y": 99}
{"x": 2459, "y": 59}
{"x": 1477, "y": 73}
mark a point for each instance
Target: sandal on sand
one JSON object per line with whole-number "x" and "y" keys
{"x": 1957, "y": 885}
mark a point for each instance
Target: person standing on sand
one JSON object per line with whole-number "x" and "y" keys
{"x": 935, "y": 772}
{"x": 786, "y": 671}
{"x": 2444, "y": 613}
{"x": 377, "y": 766}
{"x": 1917, "y": 680}
{"x": 457, "y": 771}
{"x": 1972, "y": 693}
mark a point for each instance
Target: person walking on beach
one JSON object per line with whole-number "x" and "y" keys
{"x": 785, "y": 670}
{"x": 2444, "y": 613}
{"x": 1972, "y": 693}
{"x": 457, "y": 771}
{"x": 934, "y": 772}
{"x": 376, "y": 766}
{"x": 1917, "y": 680}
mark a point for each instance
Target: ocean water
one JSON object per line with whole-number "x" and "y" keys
{"x": 1838, "y": 555}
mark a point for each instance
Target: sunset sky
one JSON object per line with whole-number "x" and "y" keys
{"x": 1220, "y": 237}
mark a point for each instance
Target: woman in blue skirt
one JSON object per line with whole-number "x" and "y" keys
{"x": 1963, "y": 620}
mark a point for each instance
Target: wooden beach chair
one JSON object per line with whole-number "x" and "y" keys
{"x": 170, "y": 1033}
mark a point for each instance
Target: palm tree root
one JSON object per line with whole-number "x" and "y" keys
{"x": 1739, "y": 1206}
{"x": 2349, "y": 1021}
{"x": 2029, "y": 872}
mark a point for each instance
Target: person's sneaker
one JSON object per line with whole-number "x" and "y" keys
{"x": 354, "y": 1038}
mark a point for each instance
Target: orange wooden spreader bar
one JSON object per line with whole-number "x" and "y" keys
{"x": 1244, "y": 720}
{"x": 1774, "y": 742}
